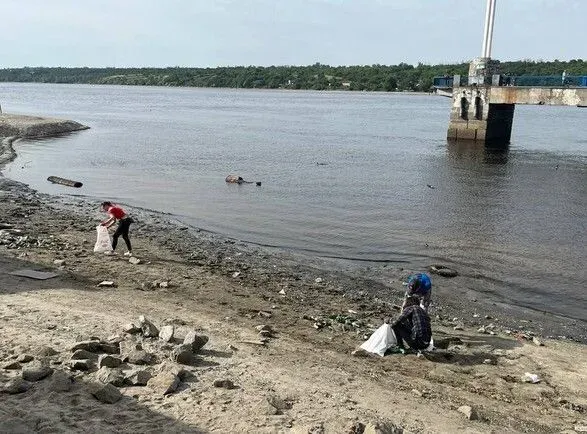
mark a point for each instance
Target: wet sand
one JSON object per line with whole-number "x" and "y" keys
{"x": 319, "y": 313}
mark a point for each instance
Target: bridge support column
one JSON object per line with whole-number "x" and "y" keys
{"x": 474, "y": 118}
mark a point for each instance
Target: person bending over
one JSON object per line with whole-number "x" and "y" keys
{"x": 412, "y": 326}
{"x": 420, "y": 286}
{"x": 116, "y": 213}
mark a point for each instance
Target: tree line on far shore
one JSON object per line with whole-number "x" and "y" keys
{"x": 402, "y": 77}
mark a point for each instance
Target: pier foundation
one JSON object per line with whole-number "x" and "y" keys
{"x": 474, "y": 118}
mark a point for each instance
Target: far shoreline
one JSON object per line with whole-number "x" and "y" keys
{"x": 253, "y": 89}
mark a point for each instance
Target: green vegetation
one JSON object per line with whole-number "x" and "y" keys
{"x": 402, "y": 77}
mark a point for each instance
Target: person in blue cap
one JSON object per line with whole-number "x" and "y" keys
{"x": 419, "y": 285}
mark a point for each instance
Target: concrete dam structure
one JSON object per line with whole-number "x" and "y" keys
{"x": 483, "y": 103}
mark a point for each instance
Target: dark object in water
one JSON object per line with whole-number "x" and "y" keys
{"x": 443, "y": 271}
{"x": 63, "y": 181}
{"x": 234, "y": 179}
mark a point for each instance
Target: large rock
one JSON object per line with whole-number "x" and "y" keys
{"x": 16, "y": 385}
{"x": 106, "y": 393}
{"x": 140, "y": 357}
{"x": 60, "y": 382}
{"x": 139, "y": 377}
{"x": 469, "y": 412}
{"x": 183, "y": 354}
{"x": 110, "y": 376}
{"x": 12, "y": 366}
{"x": 131, "y": 329}
{"x": 46, "y": 352}
{"x": 92, "y": 346}
{"x": 108, "y": 361}
{"x": 81, "y": 365}
{"x": 95, "y": 346}
{"x": 25, "y": 358}
{"x": 127, "y": 347}
{"x": 164, "y": 383}
{"x": 36, "y": 371}
{"x": 196, "y": 341}
{"x": 148, "y": 328}
{"x": 166, "y": 333}
{"x": 83, "y": 354}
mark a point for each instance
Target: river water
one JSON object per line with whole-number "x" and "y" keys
{"x": 364, "y": 177}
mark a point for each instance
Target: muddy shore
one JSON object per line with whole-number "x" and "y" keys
{"x": 319, "y": 311}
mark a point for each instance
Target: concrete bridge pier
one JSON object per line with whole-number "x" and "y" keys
{"x": 474, "y": 118}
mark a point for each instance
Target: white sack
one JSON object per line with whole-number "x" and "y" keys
{"x": 380, "y": 341}
{"x": 103, "y": 243}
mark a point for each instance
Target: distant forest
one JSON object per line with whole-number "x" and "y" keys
{"x": 402, "y": 77}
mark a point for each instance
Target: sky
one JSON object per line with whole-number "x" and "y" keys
{"x": 210, "y": 33}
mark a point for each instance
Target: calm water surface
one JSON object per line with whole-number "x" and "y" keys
{"x": 344, "y": 175}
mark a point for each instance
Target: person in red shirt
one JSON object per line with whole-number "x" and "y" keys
{"x": 117, "y": 213}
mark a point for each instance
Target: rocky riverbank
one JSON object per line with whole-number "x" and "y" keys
{"x": 274, "y": 333}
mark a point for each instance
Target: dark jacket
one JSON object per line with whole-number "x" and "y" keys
{"x": 417, "y": 321}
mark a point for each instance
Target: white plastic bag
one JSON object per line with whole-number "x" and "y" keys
{"x": 381, "y": 339}
{"x": 103, "y": 243}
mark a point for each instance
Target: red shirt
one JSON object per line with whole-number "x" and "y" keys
{"x": 116, "y": 212}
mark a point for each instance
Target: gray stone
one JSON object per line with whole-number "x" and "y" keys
{"x": 106, "y": 393}
{"x": 468, "y": 411}
{"x": 80, "y": 365}
{"x": 175, "y": 369}
{"x": 83, "y": 354}
{"x": 131, "y": 329}
{"x": 108, "y": 361}
{"x": 279, "y": 404}
{"x": 164, "y": 383}
{"x": 110, "y": 376}
{"x": 127, "y": 347}
{"x": 46, "y": 352}
{"x": 537, "y": 341}
{"x": 140, "y": 357}
{"x": 36, "y": 371}
{"x": 25, "y": 358}
{"x": 16, "y": 385}
{"x": 197, "y": 342}
{"x": 183, "y": 354}
{"x": 224, "y": 383}
{"x": 11, "y": 366}
{"x": 93, "y": 346}
{"x": 382, "y": 428}
{"x": 148, "y": 328}
{"x": 138, "y": 378}
{"x": 59, "y": 262}
{"x": 60, "y": 382}
{"x": 166, "y": 333}
{"x": 134, "y": 260}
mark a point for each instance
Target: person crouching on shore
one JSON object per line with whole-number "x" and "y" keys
{"x": 117, "y": 213}
{"x": 420, "y": 286}
{"x": 412, "y": 326}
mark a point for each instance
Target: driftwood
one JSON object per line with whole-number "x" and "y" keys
{"x": 235, "y": 179}
{"x": 63, "y": 181}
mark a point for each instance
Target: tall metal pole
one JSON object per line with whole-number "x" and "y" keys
{"x": 488, "y": 33}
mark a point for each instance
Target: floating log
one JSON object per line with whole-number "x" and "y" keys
{"x": 63, "y": 181}
{"x": 443, "y": 271}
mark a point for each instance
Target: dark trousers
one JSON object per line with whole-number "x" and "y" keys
{"x": 404, "y": 333}
{"x": 122, "y": 229}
